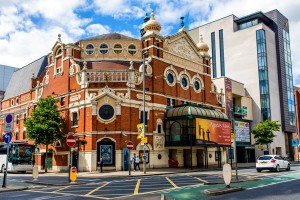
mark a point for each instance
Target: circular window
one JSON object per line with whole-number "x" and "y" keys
{"x": 132, "y": 49}
{"x": 89, "y": 49}
{"x": 197, "y": 85}
{"x": 184, "y": 82}
{"x": 103, "y": 48}
{"x": 170, "y": 78}
{"x": 106, "y": 112}
{"x": 118, "y": 48}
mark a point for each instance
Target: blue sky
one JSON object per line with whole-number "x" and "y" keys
{"x": 29, "y": 28}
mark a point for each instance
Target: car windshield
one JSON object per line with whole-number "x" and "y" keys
{"x": 265, "y": 158}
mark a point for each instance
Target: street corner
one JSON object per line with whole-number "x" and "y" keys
{"x": 12, "y": 188}
{"x": 219, "y": 191}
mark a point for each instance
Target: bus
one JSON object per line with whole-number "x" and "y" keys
{"x": 20, "y": 157}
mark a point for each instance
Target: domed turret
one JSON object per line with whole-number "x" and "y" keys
{"x": 202, "y": 46}
{"x": 152, "y": 26}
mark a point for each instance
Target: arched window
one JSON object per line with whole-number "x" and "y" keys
{"x": 175, "y": 131}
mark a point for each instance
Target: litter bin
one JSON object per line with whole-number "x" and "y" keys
{"x": 173, "y": 163}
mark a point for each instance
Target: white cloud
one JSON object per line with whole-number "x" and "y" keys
{"x": 118, "y": 9}
{"x": 97, "y": 29}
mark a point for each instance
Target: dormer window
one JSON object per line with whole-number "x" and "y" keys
{"x": 89, "y": 49}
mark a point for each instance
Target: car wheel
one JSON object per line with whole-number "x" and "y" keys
{"x": 288, "y": 168}
{"x": 258, "y": 170}
{"x": 277, "y": 168}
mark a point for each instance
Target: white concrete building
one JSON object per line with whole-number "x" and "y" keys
{"x": 255, "y": 50}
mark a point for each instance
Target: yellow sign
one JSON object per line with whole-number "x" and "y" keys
{"x": 144, "y": 140}
{"x": 140, "y": 128}
{"x": 232, "y": 135}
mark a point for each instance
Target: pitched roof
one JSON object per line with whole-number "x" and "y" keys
{"x": 5, "y": 74}
{"x": 20, "y": 80}
{"x": 111, "y": 36}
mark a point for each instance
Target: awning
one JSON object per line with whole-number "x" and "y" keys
{"x": 193, "y": 111}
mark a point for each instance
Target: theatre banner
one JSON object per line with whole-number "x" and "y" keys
{"x": 213, "y": 132}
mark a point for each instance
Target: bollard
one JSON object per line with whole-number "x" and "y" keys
{"x": 73, "y": 174}
{"x": 35, "y": 173}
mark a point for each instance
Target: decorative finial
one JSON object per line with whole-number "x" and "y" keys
{"x": 146, "y": 18}
{"x": 182, "y": 23}
{"x": 131, "y": 65}
{"x": 59, "y": 37}
{"x": 152, "y": 14}
{"x": 84, "y": 65}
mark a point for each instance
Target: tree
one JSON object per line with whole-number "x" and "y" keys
{"x": 263, "y": 132}
{"x": 45, "y": 124}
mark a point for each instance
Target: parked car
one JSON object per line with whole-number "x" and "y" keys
{"x": 272, "y": 162}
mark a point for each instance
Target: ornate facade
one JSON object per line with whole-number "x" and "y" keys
{"x": 99, "y": 84}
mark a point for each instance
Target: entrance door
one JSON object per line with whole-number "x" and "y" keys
{"x": 200, "y": 158}
{"x": 187, "y": 157}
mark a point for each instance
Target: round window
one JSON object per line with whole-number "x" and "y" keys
{"x": 184, "y": 82}
{"x": 103, "y": 48}
{"x": 196, "y": 85}
{"x": 132, "y": 49}
{"x": 89, "y": 49}
{"x": 118, "y": 48}
{"x": 106, "y": 112}
{"x": 170, "y": 78}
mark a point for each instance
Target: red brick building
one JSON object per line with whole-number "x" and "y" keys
{"x": 99, "y": 84}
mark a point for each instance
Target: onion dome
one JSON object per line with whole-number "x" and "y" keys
{"x": 152, "y": 25}
{"x": 202, "y": 46}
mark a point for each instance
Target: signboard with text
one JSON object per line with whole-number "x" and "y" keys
{"x": 242, "y": 131}
{"x": 212, "y": 131}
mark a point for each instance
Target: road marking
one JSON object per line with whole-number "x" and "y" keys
{"x": 66, "y": 194}
{"x": 91, "y": 192}
{"x": 172, "y": 183}
{"x": 204, "y": 181}
{"x": 136, "y": 189}
{"x": 61, "y": 188}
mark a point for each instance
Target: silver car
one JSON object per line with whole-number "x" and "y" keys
{"x": 272, "y": 162}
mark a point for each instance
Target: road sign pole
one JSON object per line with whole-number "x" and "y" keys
{"x": 5, "y": 172}
{"x": 129, "y": 164}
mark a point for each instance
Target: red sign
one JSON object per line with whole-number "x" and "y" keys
{"x": 71, "y": 140}
{"x": 129, "y": 145}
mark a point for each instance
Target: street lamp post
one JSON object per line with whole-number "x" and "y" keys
{"x": 144, "y": 111}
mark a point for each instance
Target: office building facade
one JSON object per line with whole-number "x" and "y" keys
{"x": 255, "y": 50}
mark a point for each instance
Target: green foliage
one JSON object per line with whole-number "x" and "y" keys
{"x": 45, "y": 123}
{"x": 263, "y": 132}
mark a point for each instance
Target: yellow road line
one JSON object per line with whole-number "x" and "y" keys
{"x": 66, "y": 194}
{"x": 172, "y": 183}
{"x": 91, "y": 192}
{"x": 136, "y": 189}
{"x": 62, "y": 188}
{"x": 204, "y": 181}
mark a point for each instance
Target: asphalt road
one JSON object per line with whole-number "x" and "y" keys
{"x": 126, "y": 187}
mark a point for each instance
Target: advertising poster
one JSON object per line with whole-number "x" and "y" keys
{"x": 228, "y": 96}
{"x": 242, "y": 131}
{"x": 213, "y": 132}
{"x": 107, "y": 154}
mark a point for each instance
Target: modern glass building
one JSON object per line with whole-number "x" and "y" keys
{"x": 255, "y": 50}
